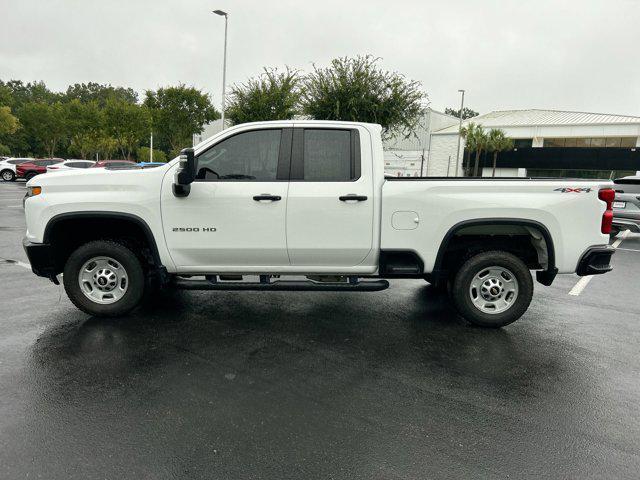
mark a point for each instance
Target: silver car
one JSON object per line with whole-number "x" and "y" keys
{"x": 626, "y": 207}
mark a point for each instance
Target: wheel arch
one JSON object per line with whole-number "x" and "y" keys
{"x": 545, "y": 276}
{"x": 78, "y": 219}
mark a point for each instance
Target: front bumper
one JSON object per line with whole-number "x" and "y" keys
{"x": 596, "y": 261}
{"x": 41, "y": 258}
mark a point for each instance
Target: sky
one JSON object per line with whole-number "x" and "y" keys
{"x": 579, "y": 55}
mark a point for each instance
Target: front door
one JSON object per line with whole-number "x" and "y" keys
{"x": 235, "y": 214}
{"x": 331, "y": 205}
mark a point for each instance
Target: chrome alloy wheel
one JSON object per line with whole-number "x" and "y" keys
{"x": 7, "y": 175}
{"x": 103, "y": 280}
{"x": 493, "y": 290}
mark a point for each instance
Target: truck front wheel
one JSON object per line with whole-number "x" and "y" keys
{"x": 104, "y": 278}
{"x": 492, "y": 289}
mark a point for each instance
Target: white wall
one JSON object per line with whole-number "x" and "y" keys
{"x": 442, "y": 156}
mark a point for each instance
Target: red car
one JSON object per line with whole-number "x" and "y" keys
{"x": 28, "y": 170}
{"x": 113, "y": 163}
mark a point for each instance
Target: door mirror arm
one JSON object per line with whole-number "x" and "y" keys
{"x": 186, "y": 173}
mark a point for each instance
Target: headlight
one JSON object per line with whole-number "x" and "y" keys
{"x": 33, "y": 191}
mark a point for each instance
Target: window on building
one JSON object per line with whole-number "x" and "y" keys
{"x": 591, "y": 142}
{"x": 522, "y": 142}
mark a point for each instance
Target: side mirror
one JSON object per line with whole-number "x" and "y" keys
{"x": 186, "y": 173}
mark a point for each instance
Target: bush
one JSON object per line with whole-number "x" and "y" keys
{"x": 158, "y": 155}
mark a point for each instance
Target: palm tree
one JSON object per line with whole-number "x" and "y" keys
{"x": 497, "y": 142}
{"x": 475, "y": 141}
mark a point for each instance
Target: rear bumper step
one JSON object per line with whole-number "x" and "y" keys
{"x": 283, "y": 285}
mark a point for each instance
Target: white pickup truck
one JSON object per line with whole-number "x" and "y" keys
{"x": 261, "y": 202}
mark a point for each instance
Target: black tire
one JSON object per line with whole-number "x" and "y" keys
{"x": 462, "y": 296}
{"x": 136, "y": 278}
{"x": 7, "y": 175}
{"x": 28, "y": 176}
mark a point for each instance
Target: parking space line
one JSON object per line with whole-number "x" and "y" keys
{"x": 584, "y": 281}
{"x": 18, "y": 263}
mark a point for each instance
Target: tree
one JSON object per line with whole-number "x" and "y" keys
{"x": 8, "y": 123}
{"x": 95, "y": 92}
{"x": 270, "y": 96}
{"x": 475, "y": 141}
{"x": 127, "y": 123}
{"x": 85, "y": 126}
{"x": 497, "y": 142}
{"x": 23, "y": 93}
{"x": 45, "y": 125}
{"x": 178, "y": 113}
{"x": 466, "y": 112}
{"x": 356, "y": 89}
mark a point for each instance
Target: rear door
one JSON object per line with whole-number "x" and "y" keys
{"x": 330, "y": 204}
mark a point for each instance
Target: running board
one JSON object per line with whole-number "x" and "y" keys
{"x": 284, "y": 285}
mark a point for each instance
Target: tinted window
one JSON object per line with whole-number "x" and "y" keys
{"x": 327, "y": 155}
{"x": 248, "y": 156}
{"x": 16, "y": 162}
{"x": 79, "y": 164}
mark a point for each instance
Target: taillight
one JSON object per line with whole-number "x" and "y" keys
{"x": 607, "y": 195}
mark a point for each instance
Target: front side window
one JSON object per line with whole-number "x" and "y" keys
{"x": 247, "y": 156}
{"x": 327, "y": 156}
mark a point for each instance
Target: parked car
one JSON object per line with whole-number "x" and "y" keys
{"x": 72, "y": 164}
{"x": 277, "y": 199}
{"x": 626, "y": 207}
{"x": 8, "y": 167}
{"x": 113, "y": 163}
{"x": 28, "y": 170}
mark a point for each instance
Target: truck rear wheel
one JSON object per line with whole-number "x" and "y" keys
{"x": 104, "y": 278}
{"x": 492, "y": 289}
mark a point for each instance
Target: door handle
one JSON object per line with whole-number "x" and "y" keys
{"x": 266, "y": 196}
{"x": 352, "y": 197}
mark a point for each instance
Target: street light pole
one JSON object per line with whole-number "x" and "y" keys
{"x": 459, "y": 135}
{"x": 224, "y": 61}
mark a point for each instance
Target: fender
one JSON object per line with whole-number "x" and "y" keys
{"x": 545, "y": 277}
{"x": 106, "y": 215}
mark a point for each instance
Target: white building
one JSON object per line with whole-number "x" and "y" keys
{"x": 406, "y": 157}
{"x": 549, "y": 143}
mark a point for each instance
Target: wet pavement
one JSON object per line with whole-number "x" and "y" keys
{"x": 317, "y": 384}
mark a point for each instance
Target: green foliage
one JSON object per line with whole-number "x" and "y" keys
{"x": 466, "y": 112}
{"x": 44, "y": 125}
{"x": 5, "y": 151}
{"x": 270, "y": 96}
{"x": 475, "y": 141}
{"x": 158, "y": 155}
{"x": 356, "y": 89}
{"x": 95, "y": 92}
{"x": 8, "y": 123}
{"x": 84, "y": 125}
{"x": 497, "y": 142}
{"x": 178, "y": 113}
{"x": 16, "y": 93}
{"x": 127, "y": 123}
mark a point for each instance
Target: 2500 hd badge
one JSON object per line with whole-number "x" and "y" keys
{"x": 194, "y": 229}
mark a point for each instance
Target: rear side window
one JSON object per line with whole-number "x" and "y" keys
{"x": 16, "y": 162}
{"x": 326, "y": 155}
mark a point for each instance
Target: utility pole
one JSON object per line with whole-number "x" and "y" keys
{"x": 459, "y": 135}
{"x": 151, "y": 149}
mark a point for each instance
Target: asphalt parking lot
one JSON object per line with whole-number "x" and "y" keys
{"x": 317, "y": 385}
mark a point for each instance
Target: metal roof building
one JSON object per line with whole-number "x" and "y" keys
{"x": 551, "y": 143}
